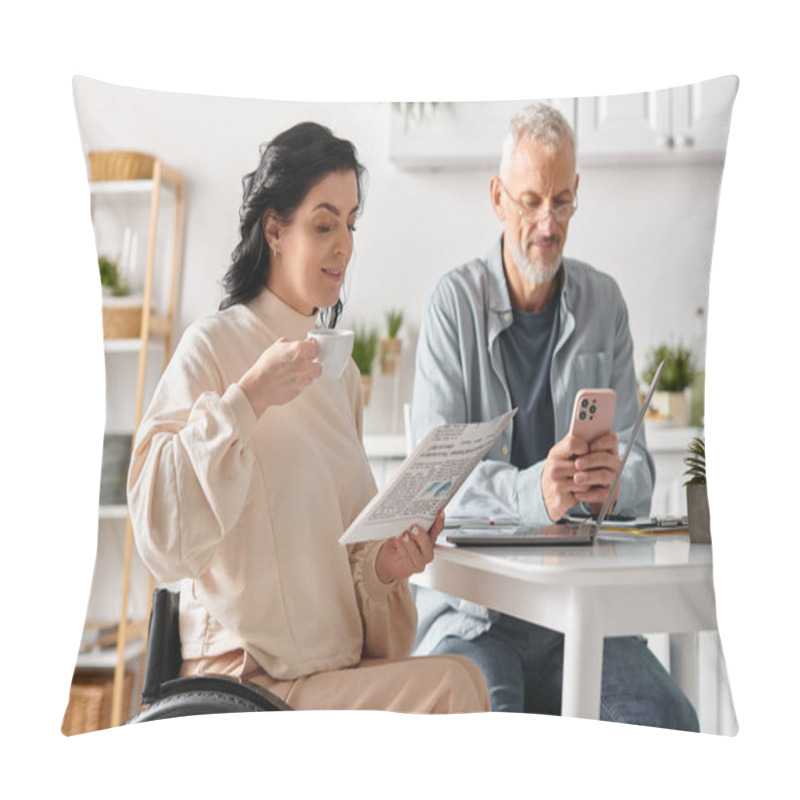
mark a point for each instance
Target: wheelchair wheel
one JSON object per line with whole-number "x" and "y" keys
{"x": 185, "y": 697}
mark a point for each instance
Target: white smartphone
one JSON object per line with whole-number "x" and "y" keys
{"x": 593, "y": 413}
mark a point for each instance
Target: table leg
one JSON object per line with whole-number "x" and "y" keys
{"x": 583, "y": 663}
{"x": 683, "y": 663}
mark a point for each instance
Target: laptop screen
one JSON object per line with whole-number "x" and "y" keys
{"x": 634, "y": 433}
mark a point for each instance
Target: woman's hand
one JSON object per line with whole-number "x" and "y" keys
{"x": 408, "y": 553}
{"x": 282, "y": 371}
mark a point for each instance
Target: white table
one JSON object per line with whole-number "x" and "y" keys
{"x": 612, "y": 588}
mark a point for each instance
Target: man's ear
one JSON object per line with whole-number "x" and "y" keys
{"x": 495, "y": 198}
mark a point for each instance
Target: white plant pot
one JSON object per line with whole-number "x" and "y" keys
{"x": 671, "y": 405}
{"x": 390, "y": 355}
{"x": 697, "y": 511}
{"x": 366, "y": 388}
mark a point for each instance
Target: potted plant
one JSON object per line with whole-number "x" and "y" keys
{"x": 669, "y": 401}
{"x": 391, "y": 346}
{"x": 110, "y": 278}
{"x": 122, "y": 313}
{"x": 365, "y": 348}
{"x": 697, "y": 492}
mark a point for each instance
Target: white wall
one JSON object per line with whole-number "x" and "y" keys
{"x": 650, "y": 226}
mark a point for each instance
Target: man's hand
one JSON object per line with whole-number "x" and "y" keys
{"x": 595, "y": 472}
{"x": 576, "y": 472}
{"x": 558, "y": 476}
{"x": 408, "y": 553}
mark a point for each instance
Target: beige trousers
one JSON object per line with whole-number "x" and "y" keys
{"x": 446, "y": 684}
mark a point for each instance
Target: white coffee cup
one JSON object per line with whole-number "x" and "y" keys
{"x": 335, "y": 347}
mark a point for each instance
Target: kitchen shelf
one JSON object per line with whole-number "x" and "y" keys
{"x": 106, "y": 657}
{"x": 128, "y": 187}
{"x": 128, "y": 345}
{"x": 112, "y": 174}
{"x": 114, "y": 511}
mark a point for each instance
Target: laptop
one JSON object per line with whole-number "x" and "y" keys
{"x": 559, "y": 533}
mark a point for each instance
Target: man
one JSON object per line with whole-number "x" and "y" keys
{"x": 525, "y": 327}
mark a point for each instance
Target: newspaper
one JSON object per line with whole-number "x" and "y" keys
{"x": 427, "y": 480}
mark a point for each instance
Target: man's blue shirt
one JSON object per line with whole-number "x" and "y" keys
{"x": 461, "y": 377}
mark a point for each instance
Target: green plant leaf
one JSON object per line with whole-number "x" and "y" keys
{"x": 365, "y": 348}
{"x": 695, "y": 462}
{"x": 394, "y": 319}
{"x": 679, "y": 368}
{"x": 109, "y": 274}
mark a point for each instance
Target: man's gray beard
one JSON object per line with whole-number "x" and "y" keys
{"x": 536, "y": 275}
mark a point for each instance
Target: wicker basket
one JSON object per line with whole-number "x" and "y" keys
{"x": 120, "y": 165}
{"x": 89, "y": 707}
{"x": 122, "y": 320}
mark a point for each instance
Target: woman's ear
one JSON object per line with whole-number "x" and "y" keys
{"x": 271, "y": 225}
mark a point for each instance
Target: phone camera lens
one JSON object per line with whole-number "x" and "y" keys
{"x": 582, "y": 415}
{"x": 584, "y": 403}
{"x": 592, "y": 409}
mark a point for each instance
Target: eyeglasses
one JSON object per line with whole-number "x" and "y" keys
{"x": 531, "y": 214}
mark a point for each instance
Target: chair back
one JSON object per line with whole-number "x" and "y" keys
{"x": 163, "y": 659}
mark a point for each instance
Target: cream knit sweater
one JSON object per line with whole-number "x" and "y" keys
{"x": 247, "y": 512}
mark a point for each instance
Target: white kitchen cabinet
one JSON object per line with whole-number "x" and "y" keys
{"x": 684, "y": 122}
{"x": 670, "y": 125}
{"x": 624, "y": 124}
{"x": 454, "y": 135}
{"x": 701, "y": 115}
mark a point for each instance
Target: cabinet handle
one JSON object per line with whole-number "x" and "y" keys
{"x": 685, "y": 141}
{"x": 667, "y": 142}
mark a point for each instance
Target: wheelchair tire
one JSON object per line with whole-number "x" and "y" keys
{"x": 187, "y": 704}
{"x": 186, "y": 697}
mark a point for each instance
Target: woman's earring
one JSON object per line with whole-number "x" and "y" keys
{"x": 275, "y": 252}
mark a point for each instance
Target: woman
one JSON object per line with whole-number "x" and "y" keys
{"x": 247, "y": 469}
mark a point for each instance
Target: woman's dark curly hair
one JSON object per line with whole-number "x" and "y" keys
{"x": 291, "y": 164}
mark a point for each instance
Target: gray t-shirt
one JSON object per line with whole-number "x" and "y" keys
{"x": 527, "y": 347}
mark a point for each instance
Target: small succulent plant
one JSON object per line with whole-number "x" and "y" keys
{"x": 696, "y": 463}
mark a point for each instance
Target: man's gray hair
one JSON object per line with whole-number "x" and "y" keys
{"x": 538, "y": 122}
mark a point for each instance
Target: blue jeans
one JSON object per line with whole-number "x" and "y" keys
{"x": 523, "y": 665}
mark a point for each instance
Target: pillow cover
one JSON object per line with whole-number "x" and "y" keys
{"x": 650, "y": 164}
